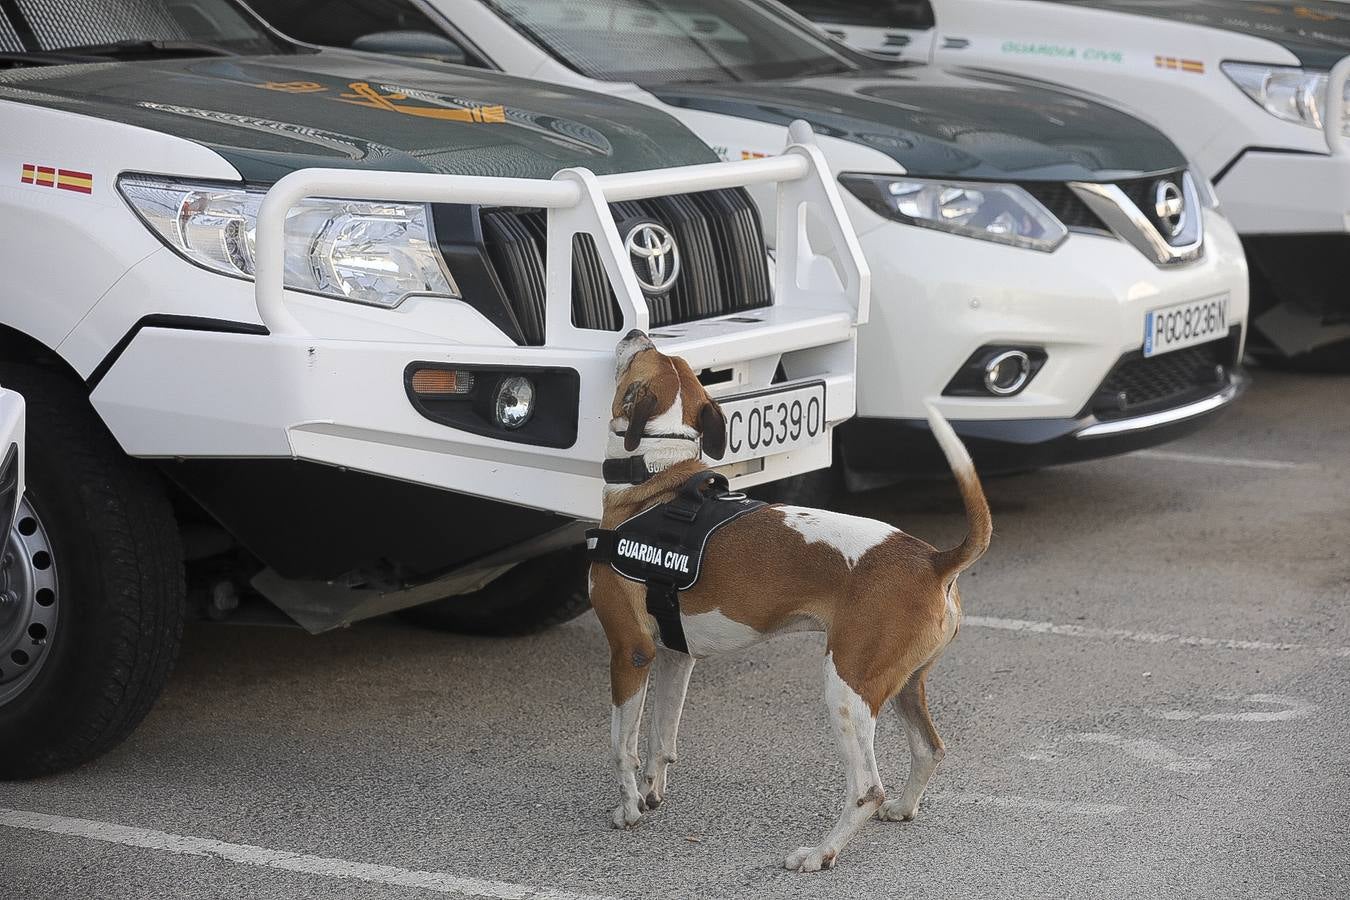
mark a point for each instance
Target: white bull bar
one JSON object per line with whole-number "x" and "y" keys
{"x": 577, "y": 202}
{"x": 1334, "y": 120}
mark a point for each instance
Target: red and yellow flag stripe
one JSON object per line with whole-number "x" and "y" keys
{"x": 1183, "y": 65}
{"x": 50, "y": 176}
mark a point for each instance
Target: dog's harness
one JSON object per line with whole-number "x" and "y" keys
{"x": 663, "y": 546}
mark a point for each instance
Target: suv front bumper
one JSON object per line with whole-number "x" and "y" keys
{"x": 881, "y": 451}
{"x": 940, "y": 298}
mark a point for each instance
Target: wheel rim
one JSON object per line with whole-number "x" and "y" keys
{"x": 30, "y": 602}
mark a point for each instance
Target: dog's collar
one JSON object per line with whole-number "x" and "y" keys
{"x": 633, "y": 469}
{"x": 627, "y": 470}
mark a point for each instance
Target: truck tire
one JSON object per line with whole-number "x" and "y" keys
{"x": 533, "y": 596}
{"x": 91, "y": 588}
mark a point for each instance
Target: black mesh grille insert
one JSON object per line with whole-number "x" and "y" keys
{"x": 1161, "y": 382}
{"x": 723, "y": 268}
{"x": 1064, "y": 204}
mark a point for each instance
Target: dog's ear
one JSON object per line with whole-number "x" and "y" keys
{"x": 713, "y": 423}
{"x": 642, "y": 409}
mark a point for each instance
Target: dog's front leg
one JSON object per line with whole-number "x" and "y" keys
{"x": 628, "y": 683}
{"x": 671, "y": 673}
{"x": 855, "y": 729}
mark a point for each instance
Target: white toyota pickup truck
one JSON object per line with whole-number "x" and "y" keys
{"x": 337, "y": 331}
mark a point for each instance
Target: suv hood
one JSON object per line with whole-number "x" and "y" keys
{"x": 952, "y": 122}
{"x": 1317, "y": 33}
{"x": 270, "y": 115}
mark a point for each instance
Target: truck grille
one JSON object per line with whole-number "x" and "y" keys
{"x": 1149, "y": 384}
{"x": 723, "y": 268}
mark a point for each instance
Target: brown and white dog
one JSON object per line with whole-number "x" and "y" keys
{"x": 886, "y": 601}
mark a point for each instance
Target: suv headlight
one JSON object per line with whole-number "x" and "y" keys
{"x": 1003, "y": 213}
{"x": 1292, "y": 94}
{"x": 367, "y": 252}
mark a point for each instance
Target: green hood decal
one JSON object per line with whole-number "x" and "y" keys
{"x": 1318, "y": 33}
{"x": 953, "y": 123}
{"x": 270, "y": 115}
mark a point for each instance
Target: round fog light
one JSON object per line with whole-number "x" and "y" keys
{"x": 514, "y": 402}
{"x": 1007, "y": 373}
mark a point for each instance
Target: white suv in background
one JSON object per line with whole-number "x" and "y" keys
{"x": 1255, "y": 93}
{"x": 1050, "y": 271}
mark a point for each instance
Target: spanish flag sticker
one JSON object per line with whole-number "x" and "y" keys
{"x": 50, "y": 176}
{"x": 1184, "y": 65}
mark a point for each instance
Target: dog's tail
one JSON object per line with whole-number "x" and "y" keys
{"x": 980, "y": 525}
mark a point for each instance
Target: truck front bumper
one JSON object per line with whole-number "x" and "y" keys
{"x": 191, "y": 394}
{"x": 299, "y": 377}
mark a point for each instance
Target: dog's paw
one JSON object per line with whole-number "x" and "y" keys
{"x": 898, "y": 811}
{"x": 627, "y": 814}
{"x": 810, "y": 859}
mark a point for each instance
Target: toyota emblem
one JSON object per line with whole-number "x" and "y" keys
{"x": 655, "y": 258}
{"x": 1170, "y": 206}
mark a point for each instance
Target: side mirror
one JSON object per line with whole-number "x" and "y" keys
{"x": 412, "y": 43}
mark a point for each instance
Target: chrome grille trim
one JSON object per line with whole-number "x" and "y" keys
{"x": 1123, "y": 216}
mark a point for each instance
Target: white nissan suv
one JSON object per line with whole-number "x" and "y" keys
{"x": 1256, "y": 92}
{"x": 336, "y": 331}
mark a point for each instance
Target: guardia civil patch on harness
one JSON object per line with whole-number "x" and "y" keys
{"x": 663, "y": 547}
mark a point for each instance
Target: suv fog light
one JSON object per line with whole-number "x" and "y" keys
{"x": 996, "y": 370}
{"x": 1007, "y": 373}
{"x": 514, "y": 402}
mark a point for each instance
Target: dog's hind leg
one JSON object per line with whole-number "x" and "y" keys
{"x": 671, "y": 674}
{"x": 628, "y": 681}
{"x": 925, "y": 747}
{"x": 854, "y": 727}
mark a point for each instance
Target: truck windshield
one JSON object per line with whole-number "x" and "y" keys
{"x": 671, "y": 41}
{"x": 75, "y": 29}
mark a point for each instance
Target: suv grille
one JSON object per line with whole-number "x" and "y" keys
{"x": 723, "y": 268}
{"x": 1070, "y": 209}
{"x": 1065, "y": 205}
{"x": 1154, "y": 383}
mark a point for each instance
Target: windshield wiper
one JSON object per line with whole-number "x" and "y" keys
{"x": 136, "y": 48}
{"x": 20, "y": 57}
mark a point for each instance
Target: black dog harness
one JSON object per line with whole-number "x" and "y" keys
{"x": 663, "y": 546}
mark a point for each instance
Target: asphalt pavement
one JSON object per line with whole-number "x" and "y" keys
{"x": 1149, "y": 698}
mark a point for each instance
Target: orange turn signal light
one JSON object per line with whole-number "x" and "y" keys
{"x": 441, "y": 382}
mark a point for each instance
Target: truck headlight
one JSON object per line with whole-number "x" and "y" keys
{"x": 1293, "y": 94}
{"x": 367, "y": 252}
{"x": 1003, "y": 213}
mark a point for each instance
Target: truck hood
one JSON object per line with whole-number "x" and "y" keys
{"x": 270, "y": 115}
{"x": 952, "y": 122}
{"x": 1318, "y": 33}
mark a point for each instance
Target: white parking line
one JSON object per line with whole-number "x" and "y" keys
{"x": 1238, "y": 461}
{"x": 248, "y": 855}
{"x": 1008, "y": 801}
{"x": 1145, "y": 637}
